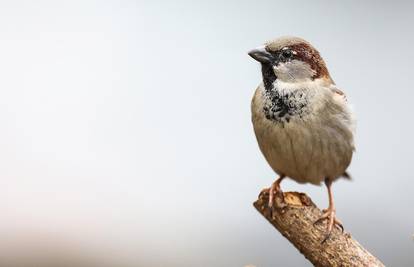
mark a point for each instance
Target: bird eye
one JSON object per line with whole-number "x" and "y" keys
{"x": 287, "y": 53}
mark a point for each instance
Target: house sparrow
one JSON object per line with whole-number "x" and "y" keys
{"x": 302, "y": 121}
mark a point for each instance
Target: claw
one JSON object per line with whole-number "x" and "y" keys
{"x": 263, "y": 192}
{"x": 330, "y": 216}
{"x": 339, "y": 224}
{"x": 327, "y": 236}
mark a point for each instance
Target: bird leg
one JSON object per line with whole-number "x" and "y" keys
{"x": 329, "y": 214}
{"x": 273, "y": 190}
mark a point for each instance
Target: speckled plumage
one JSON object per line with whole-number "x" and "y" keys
{"x": 313, "y": 144}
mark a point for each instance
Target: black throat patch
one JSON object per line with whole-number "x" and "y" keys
{"x": 269, "y": 77}
{"x": 280, "y": 107}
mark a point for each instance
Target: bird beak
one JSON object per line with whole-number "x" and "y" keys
{"x": 260, "y": 54}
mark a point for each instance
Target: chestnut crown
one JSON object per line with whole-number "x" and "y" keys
{"x": 291, "y": 59}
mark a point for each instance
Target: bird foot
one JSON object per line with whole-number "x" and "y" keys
{"x": 329, "y": 214}
{"x": 273, "y": 191}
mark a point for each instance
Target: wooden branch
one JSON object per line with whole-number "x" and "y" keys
{"x": 294, "y": 219}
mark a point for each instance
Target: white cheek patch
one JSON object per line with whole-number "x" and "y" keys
{"x": 280, "y": 69}
{"x": 294, "y": 70}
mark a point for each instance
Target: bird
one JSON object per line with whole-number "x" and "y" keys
{"x": 303, "y": 122}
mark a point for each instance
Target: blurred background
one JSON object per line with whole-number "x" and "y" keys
{"x": 125, "y": 134}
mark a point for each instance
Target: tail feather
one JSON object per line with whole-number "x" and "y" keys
{"x": 346, "y": 175}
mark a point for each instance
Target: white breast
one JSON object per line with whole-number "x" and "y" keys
{"x": 308, "y": 148}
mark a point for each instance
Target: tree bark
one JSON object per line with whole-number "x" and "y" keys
{"x": 294, "y": 218}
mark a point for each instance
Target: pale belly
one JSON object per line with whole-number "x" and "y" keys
{"x": 308, "y": 151}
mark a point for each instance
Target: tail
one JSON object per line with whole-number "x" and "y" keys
{"x": 346, "y": 175}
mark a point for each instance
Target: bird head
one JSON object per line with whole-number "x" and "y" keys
{"x": 290, "y": 59}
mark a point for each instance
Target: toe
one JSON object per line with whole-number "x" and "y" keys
{"x": 329, "y": 215}
{"x": 324, "y": 216}
{"x": 270, "y": 202}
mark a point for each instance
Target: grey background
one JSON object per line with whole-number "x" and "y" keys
{"x": 125, "y": 128}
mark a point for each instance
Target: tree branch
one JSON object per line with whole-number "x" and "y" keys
{"x": 294, "y": 218}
